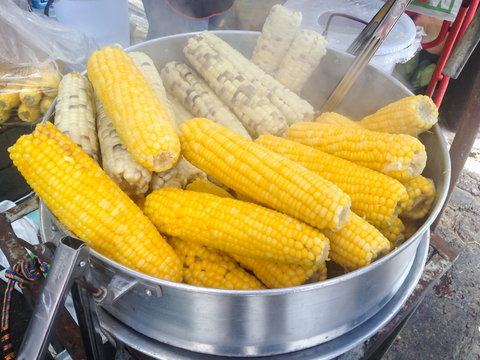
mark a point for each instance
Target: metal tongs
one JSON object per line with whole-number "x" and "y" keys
{"x": 365, "y": 46}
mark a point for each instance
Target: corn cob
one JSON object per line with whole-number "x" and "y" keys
{"x": 395, "y": 232}
{"x": 374, "y": 195}
{"x": 50, "y": 82}
{"x": 181, "y": 114}
{"x": 117, "y": 162}
{"x": 356, "y": 244}
{"x": 4, "y": 115}
{"x": 179, "y": 176}
{"x": 138, "y": 116}
{"x": 90, "y": 204}
{"x": 262, "y": 175}
{"x": 279, "y": 275}
{"x": 411, "y": 115}
{"x": 28, "y": 113}
{"x": 75, "y": 112}
{"x": 182, "y": 172}
{"x": 320, "y": 275}
{"x": 9, "y": 98}
{"x": 198, "y": 98}
{"x": 45, "y": 104}
{"x": 301, "y": 59}
{"x": 254, "y": 110}
{"x": 293, "y": 107}
{"x": 421, "y": 193}
{"x": 235, "y": 227}
{"x": 271, "y": 273}
{"x": 149, "y": 71}
{"x": 399, "y": 156}
{"x": 336, "y": 119}
{"x": 277, "y": 34}
{"x": 201, "y": 185}
{"x": 211, "y": 268}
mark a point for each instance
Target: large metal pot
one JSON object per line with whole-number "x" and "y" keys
{"x": 254, "y": 323}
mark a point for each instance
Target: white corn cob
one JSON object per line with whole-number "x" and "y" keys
{"x": 181, "y": 114}
{"x": 179, "y": 176}
{"x": 301, "y": 59}
{"x": 255, "y": 111}
{"x": 198, "y": 98}
{"x": 117, "y": 162}
{"x": 293, "y": 107}
{"x": 277, "y": 34}
{"x": 75, "y": 112}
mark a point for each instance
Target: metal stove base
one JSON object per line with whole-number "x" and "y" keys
{"x": 328, "y": 350}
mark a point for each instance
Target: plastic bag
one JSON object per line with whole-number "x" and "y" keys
{"x": 34, "y": 52}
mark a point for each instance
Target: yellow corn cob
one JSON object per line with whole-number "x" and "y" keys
{"x": 117, "y": 162}
{"x": 279, "y": 275}
{"x": 91, "y": 205}
{"x": 356, "y": 244}
{"x": 277, "y": 34}
{"x": 28, "y": 113}
{"x": 271, "y": 273}
{"x": 255, "y": 111}
{"x": 263, "y": 175}
{"x": 4, "y": 115}
{"x": 75, "y": 112}
{"x": 336, "y": 119}
{"x": 9, "y": 98}
{"x": 50, "y": 82}
{"x": 374, "y": 195}
{"x": 134, "y": 109}
{"x": 421, "y": 193}
{"x": 181, "y": 174}
{"x": 201, "y": 185}
{"x": 234, "y": 226}
{"x": 399, "y": 156}
{"x": 203, "y": 266}
{"x": 320, "y": 275}
{"x": 301, "y": 59}
{"x": 198, "y": 98}
{"x": 45, "y": 104}
{"x": 411, "y": 115}
{"x": 394, "y": 232}
{"x": 292, "y": 106}
{"x": 149, "y": 71}
{"x": 31, "y": 95}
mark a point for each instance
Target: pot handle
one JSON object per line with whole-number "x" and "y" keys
{"x": 70, "y": 262}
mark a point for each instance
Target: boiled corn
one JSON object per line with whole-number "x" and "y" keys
{"x": 278, "y": 32}
{"x": 421, "y": 193}
{"x": 399, "y": 156}
{"x": 374, "y": 195}
{"x": 134, "y": 109}
{"x": 336, "y": 119}
{"x": 301, "y": 59}
{"x": 255, "y": 111}
{"x": 203, "y": 266}
{"x": 90, "y": 204}
{"x": 411, "y": 115}
{"x": 28, "y": 113}
{"x": 356, "y": 244}
{"x": 235, "y": 226}
{"x": 198, "y": 98}
{"x": 266, "y": 177}
{"x": 75, "y": 112}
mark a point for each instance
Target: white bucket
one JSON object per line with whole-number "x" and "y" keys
{"x": 106, "y": 21}
{"x": 400, "y": 45}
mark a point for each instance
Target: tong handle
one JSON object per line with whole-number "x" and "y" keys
{"x": 365, "y": 46}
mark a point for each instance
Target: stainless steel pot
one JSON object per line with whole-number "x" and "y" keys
{"x": 266, "y": 322}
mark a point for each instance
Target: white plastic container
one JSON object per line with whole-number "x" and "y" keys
{"x": 400, "y": 45}
{"x": 106, "y": 21}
